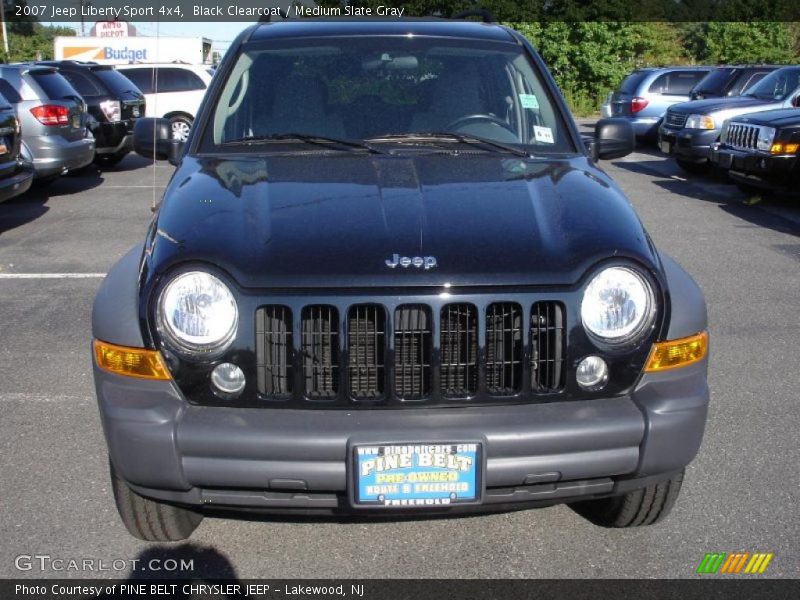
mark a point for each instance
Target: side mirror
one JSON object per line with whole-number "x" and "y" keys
{"x": 152, "y": 138}
{"x": 613, "y": 138}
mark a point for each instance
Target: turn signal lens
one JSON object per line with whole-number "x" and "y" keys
{"x": 677, "y": 353}
{"x": 784, "y": 148}
{"x": 131, "y": 362}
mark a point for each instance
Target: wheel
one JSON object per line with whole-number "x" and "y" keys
{"x": 752, "y": 190}
{"x": 181, "y": 126}
{"x": 109, "y": 160}
{"x": 694, "y": 168}
{"x": 636, "y": 508}
{"x": 151, "y": 520}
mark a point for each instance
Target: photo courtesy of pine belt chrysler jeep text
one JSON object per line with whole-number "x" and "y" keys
{"x": 388, "y": 277}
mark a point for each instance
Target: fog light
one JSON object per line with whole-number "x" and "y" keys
{"x": 592, "y": 373}
{"x": 228, "y": 379}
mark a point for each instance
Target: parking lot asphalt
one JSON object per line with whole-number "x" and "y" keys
{"x": 741, "y": 493}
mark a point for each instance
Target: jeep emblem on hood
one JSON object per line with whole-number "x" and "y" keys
{"x": 429, "y": 262}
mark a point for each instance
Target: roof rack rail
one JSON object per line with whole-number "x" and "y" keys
{"x": 485, "y": 15}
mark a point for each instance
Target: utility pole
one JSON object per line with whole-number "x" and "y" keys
{"x": 83, "y": 3}
{"x": 5, "y": 31}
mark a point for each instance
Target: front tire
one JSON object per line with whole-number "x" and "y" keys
{"x": 694, "y": 168}
{"x": 645, "y": 506}
{"x": 151, "y": 520}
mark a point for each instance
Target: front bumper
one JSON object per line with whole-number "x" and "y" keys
{"x": 759, "y": 169}
{"x": 690, "y": 145}
{"x": 16, "y": 183}
{"x": 282, "y": 459}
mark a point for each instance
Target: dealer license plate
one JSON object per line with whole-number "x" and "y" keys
{"x": 666, "y": 147}
{"x": 76, "y": 121}
{"x": 135, "y": 111}
{"x": 417, "y": 475}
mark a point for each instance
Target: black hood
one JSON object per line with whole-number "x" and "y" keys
{"x": 712, "y": 105}
{"x": 784, "y": 117}
{"x": 334, "y": 220}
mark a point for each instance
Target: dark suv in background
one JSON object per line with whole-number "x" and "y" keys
{"x": 113, "y": 101}
{"x": 730, "y": 81}
{"x": 15, "y": 174}
{"x": 644, "y": 96}
{"x": 689, "y": 129}
{"x": 52, "y": 116}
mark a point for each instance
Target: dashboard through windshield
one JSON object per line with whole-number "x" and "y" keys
{"x": 383, "y": 90}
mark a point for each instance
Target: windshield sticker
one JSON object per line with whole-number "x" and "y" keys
{"x": 529, "y": 101}
{"x": 543, "y": 134}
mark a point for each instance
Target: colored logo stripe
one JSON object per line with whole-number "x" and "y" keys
{"x": 724, "y": 563}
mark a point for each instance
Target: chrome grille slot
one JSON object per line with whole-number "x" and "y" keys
{"x": 274, "y": 350}
{"x": 459, "y": 350}
{"x": 412, "y": 352}
{"x": 675, "y": 120}
{"x": 319, "y": 347}
{"x": 503, "y": 349}
{"x": 743, "y": 136}
{"x": 366, "y": 341}
{"x": 547, "y": 347}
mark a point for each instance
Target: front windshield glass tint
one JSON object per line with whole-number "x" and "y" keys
{"x": 367, "y": 88}
{"x": 777, "y": 85}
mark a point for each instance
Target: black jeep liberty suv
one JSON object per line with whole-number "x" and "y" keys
{"x": 388, "y": 277}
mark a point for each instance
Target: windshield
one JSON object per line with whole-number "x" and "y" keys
{"x": 116, "y": 81}
{"x": 385, "y": 88}
{"x": 714, "y": 82}
{"x": 776, "y": 86}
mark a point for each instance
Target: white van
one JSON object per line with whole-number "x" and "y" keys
{"x": 172, "y": 91}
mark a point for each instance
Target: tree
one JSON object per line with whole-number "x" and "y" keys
{"x": 738, "y": 42}
{"x": 39, "y": 43}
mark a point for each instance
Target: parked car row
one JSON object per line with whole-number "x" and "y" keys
{"x": 60, "y": 116}
{"x": 743, "y": 119}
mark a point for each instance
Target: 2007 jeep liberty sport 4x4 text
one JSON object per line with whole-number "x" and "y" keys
{"x": 388, "y": 277}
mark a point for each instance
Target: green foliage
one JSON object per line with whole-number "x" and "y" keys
{"x": 589, "y": 59}
{"x": 34, "y": 45}
{"x": 737, "y": 42}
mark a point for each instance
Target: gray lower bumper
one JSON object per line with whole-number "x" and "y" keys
{"x": 278, "y": 458}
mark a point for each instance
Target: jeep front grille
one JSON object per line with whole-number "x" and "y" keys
{"x": 459, "y": 350}
{"x": 547, "y": 346}
{"x": 746, "y": 136}
{"x": 503, "y": 349}
{"x": 366, "y": 329}
{"x": 319, "y": 348}
{"x": 274, "y": 350}
{"x": 411, "y": 353}
{"x": 675, "y": 120}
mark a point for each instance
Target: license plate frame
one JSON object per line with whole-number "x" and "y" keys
{"x": 447, "y": 486}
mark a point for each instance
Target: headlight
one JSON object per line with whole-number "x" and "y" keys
{"x": 197, "y": 313}
{"x": 765, "y": 137}
{"x": 618, "y": 305}
{"x": 699, "y": 122}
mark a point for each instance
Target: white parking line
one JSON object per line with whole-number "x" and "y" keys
{"x": 51, "y": 275}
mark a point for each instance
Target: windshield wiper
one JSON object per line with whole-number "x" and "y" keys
{"x": 459, "y": 137}
{"x": 319, "y": 140}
